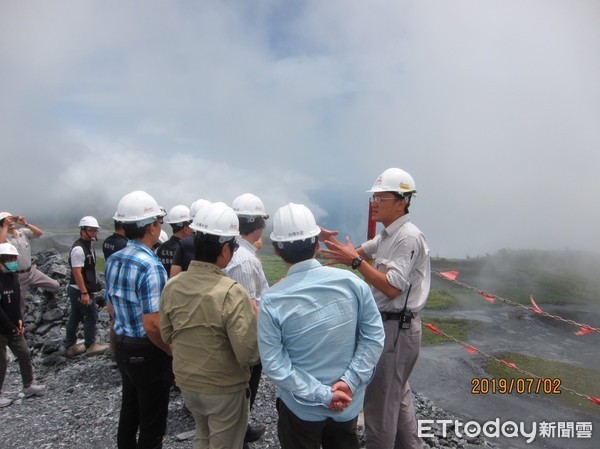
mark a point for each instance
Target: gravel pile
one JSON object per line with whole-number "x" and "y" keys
{"x": 81, "y": 407}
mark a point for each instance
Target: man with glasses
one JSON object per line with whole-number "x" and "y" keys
{"x": 135, "y": 279}
{"x": 208, "y": 319}
{"x": 400, "y": 278}
{"x": 82, "y": 286}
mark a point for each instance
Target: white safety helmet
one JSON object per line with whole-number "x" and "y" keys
{"x": 8, "y": 249}
{"x": 217, "y": 219}
{"x": 178, "y": 214}
{"x": 394, "y": 180}
{"x": 89, "y": 222}
{"x": 138, "y": 207}
{"x": 249, "y": 205}
{"x": 294, "y": 222}
{"x": 4, "y": 215}
{"x": 197, "y": 206}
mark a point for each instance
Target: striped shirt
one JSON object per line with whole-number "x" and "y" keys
{"x": 135, "y": 279}
{"x": 246, "y": 269}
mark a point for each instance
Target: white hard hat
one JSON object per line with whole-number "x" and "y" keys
{"x": 3, "y": 215}
{"x": 198, "y": 205}
{"x": 138, "y": 207}
{"x": 249, "y": 205}
{"x": 8, "y": 249}
{"x": 163, "y": 237}
{"x": 294, "y": 222}
{"x": 88, "y": 222}
{"x": 178, "y": 214}
{"x": 394, "y": 180}
{"x": 217, "y": 219}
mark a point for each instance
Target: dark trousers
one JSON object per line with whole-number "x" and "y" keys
{"x": 145, "y": 372}
{"x": 255, "y": 373}
{"x": 19, "y": 348}
{"x": 295, "y": 433}
{"x": 88, "y": 314}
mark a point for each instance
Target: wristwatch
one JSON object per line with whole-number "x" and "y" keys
{"x": 356, "y": 262}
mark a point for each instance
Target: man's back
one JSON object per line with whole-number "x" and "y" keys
{"x": 321, "y": 314}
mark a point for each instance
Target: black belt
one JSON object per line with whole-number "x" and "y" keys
{"x": 24, "y": 271}
{"x": 126, "y": 339}
{"x": 394, "y": 316}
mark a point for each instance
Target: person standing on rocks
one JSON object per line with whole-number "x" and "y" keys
{"x": 209, "y": 320}
{"x": 113, "y": 243}
{"x": 246, "y": 269}
{"x": 29, "y": 276}
{"x": 135, "y": 279}
{"x": 180, "y": 220}
{"x": 82, "y": 286}
{"x": 320, "y": 336}
{"x": 11, "y": 325}
{"x": 400, "y": 278}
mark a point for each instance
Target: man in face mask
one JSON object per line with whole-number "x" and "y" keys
{"x": 11, "y": 324}
{"x": 82, "y": 286}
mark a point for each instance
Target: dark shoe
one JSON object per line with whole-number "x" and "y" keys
{"x": 253, "y": 433}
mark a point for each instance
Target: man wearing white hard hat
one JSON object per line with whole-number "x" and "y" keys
{"x": 82, "y": 287}
{"x": 179, "y": 219}
{"x": 247, "y": 269}
{"x": 11, "y": 325}
{"x": 134, "y": 281}
{"x": 400, "y": 277}
{"x": 28, "y": 274}
{"x": 208, "y": 319}
{"x": 320, "y": 336}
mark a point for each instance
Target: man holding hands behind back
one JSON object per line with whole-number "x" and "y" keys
{"x": 319, "y": 336}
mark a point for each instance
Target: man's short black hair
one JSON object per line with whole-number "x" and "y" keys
{"x": 178, "y": 227}
{"x": 207, "y": 247}
{"x": 132, "y": 232}
{"x": 118, "y": 225}
{"x": 250, "y": 224}
{"x": 297, "y": 251}
{"x": 401, "y": 196}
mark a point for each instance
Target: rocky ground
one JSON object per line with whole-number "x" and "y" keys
{"x": 81, "y": 406}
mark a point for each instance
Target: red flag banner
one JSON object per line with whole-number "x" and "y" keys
{"x": 512, "y": 365}
{"x": 595, "y": 400}
{"x": 452, "y": 275}
{"x": 535, "y": 307}
{"x": 585, "y": 330}
{"x": 471, "y": 349}
{"x": 488, "y": 297}
{"x": 433, "y": 329}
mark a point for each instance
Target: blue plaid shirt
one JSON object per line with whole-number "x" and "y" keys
{"x": 135, "y": 279}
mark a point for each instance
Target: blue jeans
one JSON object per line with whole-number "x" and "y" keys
{"x": 79, "y": 313}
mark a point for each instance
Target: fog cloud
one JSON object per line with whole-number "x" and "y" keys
{"x": 493, "y": 108}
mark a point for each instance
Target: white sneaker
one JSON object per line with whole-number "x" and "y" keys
{"x": 5, "y": 402}
{"x": 34, "y": 390}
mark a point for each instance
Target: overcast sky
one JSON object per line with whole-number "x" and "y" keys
{"x": 493, "y": 107}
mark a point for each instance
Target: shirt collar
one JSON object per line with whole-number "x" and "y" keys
{"x": 141, "y": 246}
{"x": 305, "y": 265}
{"x": 198, "y": 265}
{"x": 397, "y": 224}
{"x": 246, "y": 244}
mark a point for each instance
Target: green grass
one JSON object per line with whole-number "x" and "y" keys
{"x": 581, "y": 379}
{"x": 456, "y": 327}
{"x": 440, "y": 300}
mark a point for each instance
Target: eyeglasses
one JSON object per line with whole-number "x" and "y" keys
{"x": 159, "y": 220}
{"x": 93, "y": 230}
{"x": 378, "y": 199}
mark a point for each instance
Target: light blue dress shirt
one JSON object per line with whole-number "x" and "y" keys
{"x": 315, "y": 327}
